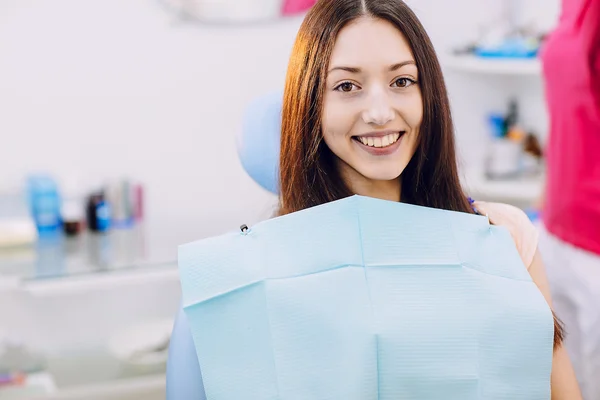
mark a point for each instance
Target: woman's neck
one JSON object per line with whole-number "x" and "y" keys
{"x": 359, "y": 184}
{"x": 384, "y": 190}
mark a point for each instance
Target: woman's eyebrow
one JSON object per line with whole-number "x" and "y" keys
{"x": 402, "y": 64}
{"x": 356, "y": 70}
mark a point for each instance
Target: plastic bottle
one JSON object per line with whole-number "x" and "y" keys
{"x": 98, "y": 213}
{"x": 44, "y": 203}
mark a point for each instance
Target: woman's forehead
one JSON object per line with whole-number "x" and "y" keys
{"x": 369, "y": 41}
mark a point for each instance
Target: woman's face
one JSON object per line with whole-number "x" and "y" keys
{"x": 372, "y": 104}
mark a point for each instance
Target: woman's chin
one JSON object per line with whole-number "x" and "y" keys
{"x": 383, "y": 174}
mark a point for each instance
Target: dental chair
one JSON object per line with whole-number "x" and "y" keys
{"x": 258, "y": 151}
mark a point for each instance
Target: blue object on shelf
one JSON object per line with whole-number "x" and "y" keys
{"x": 510, "y": 48}
{"x": 496, "y": 122}
{"x": 103, "y": 216}
{"x": 44, "y": 203}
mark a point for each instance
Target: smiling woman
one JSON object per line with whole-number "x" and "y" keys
{"x": 365, "y": 112}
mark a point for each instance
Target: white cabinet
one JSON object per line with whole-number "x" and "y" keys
{"x": 74, "y": 320}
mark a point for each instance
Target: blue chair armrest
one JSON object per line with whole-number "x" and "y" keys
{"x": 184, "y": 378}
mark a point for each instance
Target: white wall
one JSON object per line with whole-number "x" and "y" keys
{"x": 110, "y": 87}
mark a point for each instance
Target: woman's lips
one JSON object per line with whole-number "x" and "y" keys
{"x": 381, "y": 143}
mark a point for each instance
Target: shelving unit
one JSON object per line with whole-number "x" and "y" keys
{"x": 525, "y": 190}
{"x": 504, "y": 66}
{"x": 37, "y": 305}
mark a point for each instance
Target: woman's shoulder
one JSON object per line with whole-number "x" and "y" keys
{"x": 522, "y": 230}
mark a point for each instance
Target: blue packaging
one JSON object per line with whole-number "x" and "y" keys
{"x": 99, "y": 213}
{"x": 44, "y": 203}
{"x": 103, "y": 216}
{"x": 496, "y": 124}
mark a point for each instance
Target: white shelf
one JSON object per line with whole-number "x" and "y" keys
{"x": 151, "y": 387}
{"x": 93, "y": 283}
{"x": 500, "y": 66}
{"x": 35, "y": 386}
{"x": 148, "y": 387}
{"x": 523, "y": 190}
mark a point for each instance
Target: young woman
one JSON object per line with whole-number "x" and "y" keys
{"x": 366, "y": 112}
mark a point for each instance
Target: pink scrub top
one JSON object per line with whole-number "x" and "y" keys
{"x": 571, "y": 65}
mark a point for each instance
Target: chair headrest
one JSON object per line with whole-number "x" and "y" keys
{"x": 258, "y": 141}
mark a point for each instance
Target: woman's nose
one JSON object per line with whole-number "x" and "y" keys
{"x": 378, "y": 109}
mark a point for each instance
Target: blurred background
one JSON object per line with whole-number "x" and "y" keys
{"x": 118, "y": 127}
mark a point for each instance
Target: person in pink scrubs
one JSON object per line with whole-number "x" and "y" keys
{"x": 293, "y": 7}
{"x": 570, "y": 240}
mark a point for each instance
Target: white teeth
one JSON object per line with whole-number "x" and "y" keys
{"x": 383, "y": 141}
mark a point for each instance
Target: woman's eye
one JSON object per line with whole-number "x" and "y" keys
{"x": 404, "y": 82}
{"x": 345, "y": 87}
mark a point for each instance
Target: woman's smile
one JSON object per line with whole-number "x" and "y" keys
{"x": 379, "y": 143}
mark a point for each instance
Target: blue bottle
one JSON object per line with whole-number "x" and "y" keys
{"x": 44, "y": 203}
{"x": 98, "y": 213}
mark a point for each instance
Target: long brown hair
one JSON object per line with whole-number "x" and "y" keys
{"x": 307, "y": 171}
